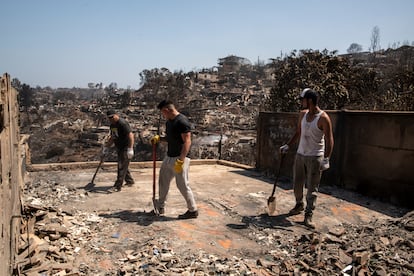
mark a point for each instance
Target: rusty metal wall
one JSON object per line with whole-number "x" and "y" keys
{"x": 373, "y": 152}
{"x": 11, "y": 176}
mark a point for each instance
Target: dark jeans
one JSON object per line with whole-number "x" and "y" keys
{"x": 123, "y": 171}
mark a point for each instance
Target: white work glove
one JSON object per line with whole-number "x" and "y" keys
{"x": 284, "y": 149}
{"x": 324, "y": 165}
{"x": 130, "y": 153}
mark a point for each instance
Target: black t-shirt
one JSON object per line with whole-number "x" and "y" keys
{"x": 119, "y": 133}
{"x": 174, "y": 128}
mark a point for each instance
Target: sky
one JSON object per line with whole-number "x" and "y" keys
{"x": 74, "y": 42}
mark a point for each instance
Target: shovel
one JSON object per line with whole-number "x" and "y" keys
{"x": 154, "y": 165}
{"x": 271, "y": 201}
{"x": 90, "y": 185}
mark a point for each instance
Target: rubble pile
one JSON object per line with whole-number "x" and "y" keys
{"x": 57, "y": 242}
{"x": 74, "y": 134}
{"x": 380, "y": 248}
{"x": 78, "y": 127}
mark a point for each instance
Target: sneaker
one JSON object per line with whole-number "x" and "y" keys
{"x": 308, "y": 222}
{"x": 189, "y": 215}
{"x": 297, "y": 209}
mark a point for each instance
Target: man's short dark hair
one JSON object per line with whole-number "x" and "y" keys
{"x": 313, "y": 95}
{"x": 165, "y": 103}
{"x": 110, "y": 113}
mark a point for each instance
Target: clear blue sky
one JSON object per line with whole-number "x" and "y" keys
{"x": 70, "y": 43}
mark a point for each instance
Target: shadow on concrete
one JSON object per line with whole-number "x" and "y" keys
{"x": 88, "y": 186}
{"x": 285, "y": 183}
{"x": 364, "y": 201}
{"x": 264, "y": 221}
{"x": 91, "y": 188}
{"x": 141, "y": 218}
{"x": 252, "y": 173}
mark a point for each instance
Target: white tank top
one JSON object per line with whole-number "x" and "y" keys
{"x": 312, "y": 140}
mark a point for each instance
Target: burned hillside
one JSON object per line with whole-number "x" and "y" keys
{"x": 222, "y": 103}
{"x": 223, "y": 122}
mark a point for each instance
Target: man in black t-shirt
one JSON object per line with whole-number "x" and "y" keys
{"x": 176, "y": 163}
{"x": 121, "y": 135}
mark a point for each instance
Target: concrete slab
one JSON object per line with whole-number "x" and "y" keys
{"x": 232, "y": 204}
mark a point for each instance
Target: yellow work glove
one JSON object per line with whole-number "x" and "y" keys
{"x": 155, "y": 139}
{"x": 178, "y": 166}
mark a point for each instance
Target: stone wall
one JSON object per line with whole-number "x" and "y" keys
{"x": 373, "y": 152}
{"x": 11, "y": 176}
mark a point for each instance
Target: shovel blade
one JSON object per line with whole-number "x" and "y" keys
{"x": 89, "y": 186}
{"x": 271, "y": 205}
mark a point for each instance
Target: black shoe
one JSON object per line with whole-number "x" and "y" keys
{"x": 130, "y": 183}
{"x": 308, "y": 222}
{"x": 189, "y": 215}
{"x": 297, "y": 209}
{"x": 114, "y": 189}
{"x": 160, "y": 212}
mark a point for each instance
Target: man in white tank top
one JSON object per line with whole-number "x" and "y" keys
{"x": 314, "y": 132}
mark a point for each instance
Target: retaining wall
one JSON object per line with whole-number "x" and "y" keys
{"x": 373, "y": 153}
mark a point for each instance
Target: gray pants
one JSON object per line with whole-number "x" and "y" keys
{"x": 123, "y": 171}
{"x": 167, "y": 173}
{"x": 307, "y": 169}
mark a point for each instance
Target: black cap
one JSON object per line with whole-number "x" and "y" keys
{"x": 110, "y": 113}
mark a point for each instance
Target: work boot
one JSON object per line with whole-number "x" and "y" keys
{"x": 308, "y": 221}
{"x": 189, "y": 215}
{"x": 297, "y": 209}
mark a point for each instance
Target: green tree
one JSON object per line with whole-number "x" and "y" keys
{"x": 25, "y": 96}
{"x": 16, "y": 84}
{"x": 354, "y": 48}
{"x": 125, "y": 99}
{"x": 322, "y": 71}
{"x": 340, "y": 83}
